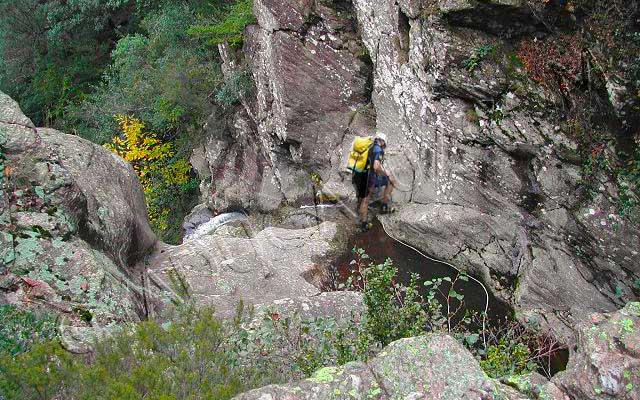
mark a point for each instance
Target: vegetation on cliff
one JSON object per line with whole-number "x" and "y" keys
{"x": 200, "y": 357}
{"x": 76, "y": 66}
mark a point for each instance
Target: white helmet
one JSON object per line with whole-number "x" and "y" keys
{"x": 382, "y": 136}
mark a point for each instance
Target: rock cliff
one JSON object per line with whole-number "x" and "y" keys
{"x": 73, "y": 224}
{"x": 489, "y": 176}
{"x": 75, "y": 241}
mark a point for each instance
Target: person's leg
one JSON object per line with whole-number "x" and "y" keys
{"x": 364, "y": 209}
{"x": 360, "y": 181}
{"x": 387, "y": 193}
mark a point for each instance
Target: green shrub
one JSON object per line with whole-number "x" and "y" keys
{"x": 52, "y": 52}
{"x": 293, "y": 348}
{"x": 507, "y": 358}
{"x": 480, "y": 54}
{"x": 160, "y": 75}
{"x": 196, "y": 356}
{"x": 231, "y": 26}
{"x": 187, "y": 358}
{"x": 22, "y": 329}
{"x": 44, "y": 372}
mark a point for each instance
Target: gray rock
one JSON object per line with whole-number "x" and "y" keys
{"x": 489, "y": 184}
{"x": 72, "y": 225}
{"x": 427, "y": 367}
{"x": 493, "y": 184}
{"x": 340, "y": 306}
{"x": 221, "y": 271}
{"x": 606, "y": 364}
{"x": 312, "y": 86}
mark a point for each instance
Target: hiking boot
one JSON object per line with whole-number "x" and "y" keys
{"x": 385, "y": 208}
{"x": 365, "y": 226}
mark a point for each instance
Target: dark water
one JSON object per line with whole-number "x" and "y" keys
{"x": 379, "y": 246}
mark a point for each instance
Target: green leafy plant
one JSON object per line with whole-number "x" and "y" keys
{"x": 21, "y": 329}
{"x": 506, "y": 358}
{"x": 395, "y": 311}
{"x": 198, "y": 356}
{"x": 480, "y": 54}
{"x": 511, "y": 348}
{"x": 42, "y": 373}
{"x": 231, "y": 26}
{"x": 293, "y": 348}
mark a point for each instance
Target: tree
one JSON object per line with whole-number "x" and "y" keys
{"x": 54, "y": 50}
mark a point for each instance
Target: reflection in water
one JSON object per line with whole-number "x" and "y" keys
{"x": 379, "y": 246}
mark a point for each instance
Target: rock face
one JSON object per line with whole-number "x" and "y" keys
{"x": 491, "y": 187}
{"x": 312, "y": 90}
{"x": 487, "y": 179}
{"x": 221, "y": 270}
{"x": 75, "y": 241}
{"x": 426, "y": 367}
{"x": 72, "y": 225}
{"x": 606, "y": 364}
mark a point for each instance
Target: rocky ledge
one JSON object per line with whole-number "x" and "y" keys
{"x": 604, "y": 365}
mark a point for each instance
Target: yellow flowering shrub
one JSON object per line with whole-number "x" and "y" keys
{"x": 161, "y": 173}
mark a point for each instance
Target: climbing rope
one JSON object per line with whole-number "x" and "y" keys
{"x": 486, "y": 292}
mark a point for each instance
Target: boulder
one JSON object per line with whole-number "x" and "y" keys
{"x": 434, "y": 367}
{"x": 98, "y": 191}
{"x": 341, "y": 306}
{"x": 606, "y": 362}
{"x": 73, "y": 223}
{"x": 220, "y": 271}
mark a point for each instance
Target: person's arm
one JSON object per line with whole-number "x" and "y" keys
{"x": 377, "y": 166}
{"x": 379, "y": 169}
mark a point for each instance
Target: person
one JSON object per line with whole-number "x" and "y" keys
{"x": 374, "y": 177}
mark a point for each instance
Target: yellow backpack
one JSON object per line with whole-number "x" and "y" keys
{"x": 359, "y": 154}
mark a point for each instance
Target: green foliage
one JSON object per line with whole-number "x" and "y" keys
{"x": 293, "y": 348}
{"x": 197, "y": 356}
{"x": 41, "y": 373}
{"x": 507, "y": 358}
{"x": 233, "y": 89}
{"x": 159, "y": 74}
{"x": 189, "y": 354}
{"x": 53, "y": 51}
{"x": 396, "y": 311}
{"x": 231, "y": 26}
{"x": 480, "y": 54}
{"x": 20, "y": 330}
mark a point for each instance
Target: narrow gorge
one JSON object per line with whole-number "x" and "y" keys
{"x": 490, "y": 109}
